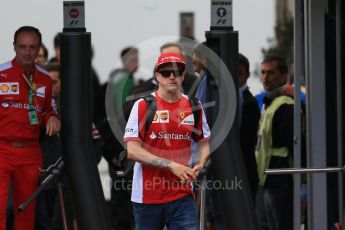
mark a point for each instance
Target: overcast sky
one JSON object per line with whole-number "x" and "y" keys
{"x": 115, "y": 24}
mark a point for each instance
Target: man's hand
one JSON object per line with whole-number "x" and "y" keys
{"x": 53, "y": 126}
{"x": 137, "y": 153}
{"x": 197, "y": 168}
{"x": 204, "y": 149}
{"x": 183, "y": 172}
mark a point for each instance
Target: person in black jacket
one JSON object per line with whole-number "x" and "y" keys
{"x": 120, "y": 83}
{"x": 250, "y": 116}
{"x": 48, "y": 212}
{"x": 275, "y": 144}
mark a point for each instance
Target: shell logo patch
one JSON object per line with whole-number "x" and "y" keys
{"x": 9, "y": 88}
{"x": 4, "y": 88}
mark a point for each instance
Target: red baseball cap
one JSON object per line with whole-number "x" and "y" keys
{"x": 170, "y": 58}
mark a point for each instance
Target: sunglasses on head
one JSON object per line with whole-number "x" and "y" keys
{"x": 175, "y": 72}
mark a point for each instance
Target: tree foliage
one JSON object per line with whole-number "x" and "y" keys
{"x": 282, "y": 44}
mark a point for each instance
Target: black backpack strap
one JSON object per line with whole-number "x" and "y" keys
{"x": 151, "y": 107}
{"x": 196, "y": 109}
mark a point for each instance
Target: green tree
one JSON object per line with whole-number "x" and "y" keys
{"x": 283, "y": 42}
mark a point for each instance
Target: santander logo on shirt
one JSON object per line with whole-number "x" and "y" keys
{"x": 170, "y": 136}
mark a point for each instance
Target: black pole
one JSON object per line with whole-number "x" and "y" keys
{"x": 76, "y": 140}
{"x": 236, "y": 203}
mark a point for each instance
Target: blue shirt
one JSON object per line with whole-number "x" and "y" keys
{"x": 260, "y": 98}
{"x": 201, "y": 95}
{"x": 201, "y": 90}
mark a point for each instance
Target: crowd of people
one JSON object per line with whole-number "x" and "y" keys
{"x": 166, "y": 128}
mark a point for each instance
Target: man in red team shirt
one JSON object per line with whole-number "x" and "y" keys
{"x": 162, "y": 190}
{"x": 25, "y": 107}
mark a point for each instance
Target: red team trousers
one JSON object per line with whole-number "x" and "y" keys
{"x": 20, "y": 162}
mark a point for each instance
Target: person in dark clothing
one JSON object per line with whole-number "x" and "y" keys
{"x": 56, "y": 42}
{"x": 205, "y": 81}
{"x": 250, "y": 116}
{"x": 94, "y": 76}
{"x": 48, "y": 210}
{"x": 42, "y": 58}
{"x": 97, "y": 142}
{"x": 275, "y": 144}
{"x": 120, "y": 82}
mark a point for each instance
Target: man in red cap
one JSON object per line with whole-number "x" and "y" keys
{"x": 162, "y": 181}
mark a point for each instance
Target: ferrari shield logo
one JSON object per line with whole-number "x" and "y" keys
{"x": 182, "y": 115}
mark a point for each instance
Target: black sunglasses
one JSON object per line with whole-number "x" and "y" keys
{"x": 175, "y": 72}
